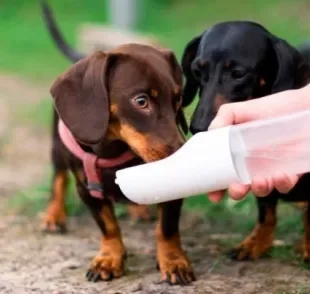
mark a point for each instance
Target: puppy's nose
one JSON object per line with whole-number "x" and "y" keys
{"x": 201, "y": 123}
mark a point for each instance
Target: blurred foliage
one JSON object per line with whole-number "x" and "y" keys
{"x": 26, "y": 47}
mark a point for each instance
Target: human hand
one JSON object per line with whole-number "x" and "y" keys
{"x": 269, "y": 106}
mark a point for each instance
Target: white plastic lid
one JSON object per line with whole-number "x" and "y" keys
{"x": 203, "y": 164}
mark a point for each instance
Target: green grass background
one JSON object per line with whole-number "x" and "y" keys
{"x": 26, "y": 49}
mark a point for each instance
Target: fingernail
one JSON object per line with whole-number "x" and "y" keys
{"x": 212, "y": 125}
{"x": 216, "y": 123}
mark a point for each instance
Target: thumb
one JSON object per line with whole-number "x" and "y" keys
{"x": 224, "y": 117}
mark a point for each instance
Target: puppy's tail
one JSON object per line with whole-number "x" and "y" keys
{"x": 53, "y": 29}
{"x": 304, "y": 49}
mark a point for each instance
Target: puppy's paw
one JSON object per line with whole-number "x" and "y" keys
{"x": 106, "y": 266}
{"x": 175, "y": 267}
{"x": 257, "y": 243}
{"x": 306, "y": 260}
{"x": 54, "y": 220}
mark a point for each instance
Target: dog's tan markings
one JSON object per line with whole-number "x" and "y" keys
{"x": 177, "y": 91}
{"x": 154, "y": 93}
{"x": 147, "y": 149}
{"x": 79, "y": 175}
{"x": 55, "y": 216}
{"x": 301, "y": 204}
{"x": 262, "y": 82}
{"x": 228, "y": 63}
{"x": 113, "y": 131}
{"x": 139, "y": 212}
{"x": 202, "y": 63}
{"x": 113, "y": 108}
{"x": 133, "y": 137}
{"x": 109, "y": 262}
{"x": 219, "y": 101}
{"x": 173, "y": 262}
{"x": 143, "y": 144}
{"x": 259, "y": 241}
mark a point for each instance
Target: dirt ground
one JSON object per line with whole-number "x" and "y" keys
{"x": 32, "y": 262}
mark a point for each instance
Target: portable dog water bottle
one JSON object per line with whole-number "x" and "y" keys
{"x": 210, "y": 161}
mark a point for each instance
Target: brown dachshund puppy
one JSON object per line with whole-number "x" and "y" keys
{"x": 125, "y": 99}
{"x": 54, "y": 219}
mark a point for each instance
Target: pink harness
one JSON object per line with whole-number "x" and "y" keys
{"x": 91, "y": 162}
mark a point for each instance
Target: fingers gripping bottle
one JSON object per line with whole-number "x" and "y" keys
{"x": 211, "y": 160}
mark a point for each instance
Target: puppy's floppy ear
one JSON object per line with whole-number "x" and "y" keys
{"x": 81, "y": 97}
{"x": 191, "y": 85}
{"x": 293, "y": 69}
{"x": 175, "y": 66}
{"x": 178, "y": 77}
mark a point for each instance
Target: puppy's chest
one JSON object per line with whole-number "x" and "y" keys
{"x": 110, "y": 188}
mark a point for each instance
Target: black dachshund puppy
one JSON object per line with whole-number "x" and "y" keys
{"x": 237, "y": 61}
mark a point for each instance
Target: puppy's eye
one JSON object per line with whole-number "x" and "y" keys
{"x": 238, "y": 74}
{"x": 141, "y": 101}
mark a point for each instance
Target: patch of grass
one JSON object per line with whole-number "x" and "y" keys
{"x": 228, "y": 216}
{"x": 27, "y": 49}
{"x": 239, "y": 218}
{"x": 300, "y": 289}
{"x": 39, "y": 114}
{"x": 35, "y": 199}
{"x": 284, "y": 253}
{"x": 304, "y": 289}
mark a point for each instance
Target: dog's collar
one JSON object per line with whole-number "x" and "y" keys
{"x": 91, "y": 162}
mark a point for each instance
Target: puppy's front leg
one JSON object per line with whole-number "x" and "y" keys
{"x": 262, "y": 236}
{"x": 173, "y": 263}
{"x": 109, "y": 262}
{"x": 55, "y": 216}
